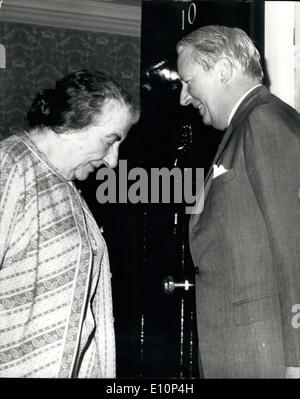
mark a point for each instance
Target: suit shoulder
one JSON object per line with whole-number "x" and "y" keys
{"x": 273, "y": 114}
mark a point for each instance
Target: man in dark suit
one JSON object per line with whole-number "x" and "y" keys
{"x": 245, "y": 243}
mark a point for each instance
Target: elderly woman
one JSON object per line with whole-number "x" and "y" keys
{"x": 55, "y": 294}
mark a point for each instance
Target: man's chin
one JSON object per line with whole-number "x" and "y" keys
{"x": 207, "y": 122}
{"x": 206, "y": 119}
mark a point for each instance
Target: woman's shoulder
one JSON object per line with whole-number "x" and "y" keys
{"x": 13, "y": 147}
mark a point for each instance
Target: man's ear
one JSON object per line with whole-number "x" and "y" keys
{"x": 225, "y": 69}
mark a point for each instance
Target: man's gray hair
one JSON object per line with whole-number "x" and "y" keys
{"x": 211, "y": 42}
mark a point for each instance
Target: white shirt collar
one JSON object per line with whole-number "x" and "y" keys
{"x": 235, "y": 107}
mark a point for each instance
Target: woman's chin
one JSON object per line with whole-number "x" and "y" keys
{"x": 81, "y": 174}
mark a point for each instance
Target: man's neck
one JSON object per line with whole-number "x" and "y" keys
{"x": 239, "y": 95}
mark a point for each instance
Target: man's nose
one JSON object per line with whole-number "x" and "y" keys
{"x": 185, "y": 98}
{"x": 111, "y": 158}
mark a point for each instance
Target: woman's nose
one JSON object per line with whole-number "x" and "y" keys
{"x": 112, "y": 156}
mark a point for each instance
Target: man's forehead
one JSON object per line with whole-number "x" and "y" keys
{"x": 185, "y": 62}
{"x": 185, "y": 53}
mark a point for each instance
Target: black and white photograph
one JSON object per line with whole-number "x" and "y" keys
{"x": 149, "y": 192}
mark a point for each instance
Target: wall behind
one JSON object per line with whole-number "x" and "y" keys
{"x": 36, "y": 56}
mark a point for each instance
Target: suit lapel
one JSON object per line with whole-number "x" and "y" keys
{"x": 252, "y": 100}
{"x": 217, "y": 157}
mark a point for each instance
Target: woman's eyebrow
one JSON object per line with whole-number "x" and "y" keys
{"x": 116, "y": 135}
